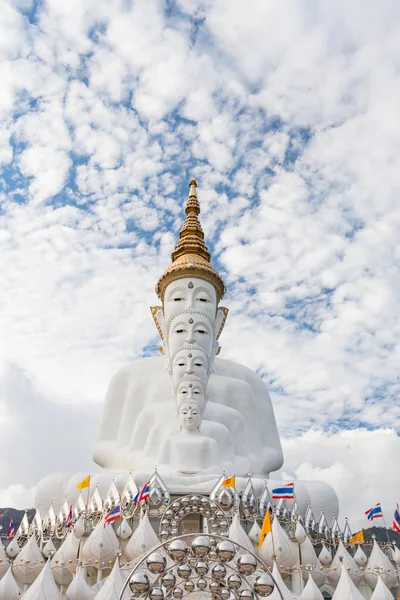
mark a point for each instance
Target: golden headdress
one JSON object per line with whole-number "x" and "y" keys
{"x": 191, "y": 257}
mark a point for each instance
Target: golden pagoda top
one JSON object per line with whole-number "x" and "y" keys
{"x": 191, "y": 257}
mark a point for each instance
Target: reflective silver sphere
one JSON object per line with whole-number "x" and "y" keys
{"x": 201, "y": 546}
{"x": 164, "y": 535}
{"x": 225, "y": 593}
{"x": 201, "y": 584}
{"x": 156, "y": 563}
{"x": 234, "y": 581}
{"x": 168, "y": 580}
{"x": 263, "y": 585}
{"x": 139, "y": 583}
{"x": 246, "y": 595}
{"x": 177, "y": 550}
{"x": 218, "y": 572}
{"x": 156, "y": 593}
{"x": 247, "y": 564}
{"x": 201, "y": 568}
{"x": 177, "y": 593}
{"x": 189, "y": 586}
{"x": 184, "y": 571}
{"x": 225, "y": 551}
{"x": 214, "y": 587}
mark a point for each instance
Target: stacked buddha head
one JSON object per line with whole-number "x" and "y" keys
{"x": 190, "y": 322}
{"x": 190, "y": 396}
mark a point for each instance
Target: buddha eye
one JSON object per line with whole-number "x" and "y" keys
{"x": 202, "y": 300}
{"x": 184, "y": 392}
{"x": 196, "y": 392}
{"x": 180, "y": 330}
{"x": 198, "y": 364}
{"x": 177, "y": 299}
{"x": 181, "y": 364}
{"x": 202, "y": 331}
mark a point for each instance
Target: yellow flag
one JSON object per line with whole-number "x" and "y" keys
{"x": 85, "y": 483}
{"x": 266, "y": 528}
{"x": 357, "y": 537}
{"x": 230, "y": 482}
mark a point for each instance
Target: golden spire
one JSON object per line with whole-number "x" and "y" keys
{"x": 191, "y": 237}
{"x": 191, "y": 257}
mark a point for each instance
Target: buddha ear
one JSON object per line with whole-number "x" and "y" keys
{"x": 222, "y": 315}
{"x": 215, "y": 350}
{"x": 159, "y": 320}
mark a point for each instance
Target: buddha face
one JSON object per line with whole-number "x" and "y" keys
{"x": 189, "y": 362}
{"x": 190, "y": 293}
{"x": 190, "y": 328}
{"x": 189, "y": 416}
{"x": 190, "y": 391}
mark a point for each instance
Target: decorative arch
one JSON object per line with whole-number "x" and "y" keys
{"x": 196, "y": 504}
{"x": 211, "y": 563}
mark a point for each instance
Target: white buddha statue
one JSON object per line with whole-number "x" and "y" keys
{"x": 189, "y": 323}
{"x": 189, "y": 412}
{"x": 190, "y": 452}
{"x": 182, "y": 440}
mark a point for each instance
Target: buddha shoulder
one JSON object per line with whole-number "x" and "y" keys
{"x": 229, "y": 368}
{"x": 139, "y": 373}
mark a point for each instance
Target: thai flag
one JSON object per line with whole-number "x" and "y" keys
{"x": 286, "y": 492}
{"x": 396, "y": 520}
{"x": 374, "y": 512}
{"x": 145, "y": 493}
{"x": 11, "y": 530}
{"x": 136, "y": 498}
{"x": 68, "y": 522}
{"x": 113, "y": 515}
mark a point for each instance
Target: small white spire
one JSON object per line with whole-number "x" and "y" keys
{"x": 44, "y": 587}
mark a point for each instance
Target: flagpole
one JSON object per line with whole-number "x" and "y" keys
{"x": 387, "y": 530}
{"x": 274, "y": 557}
{"x": 298, "y": 545}
{"x": 84, "y": 519}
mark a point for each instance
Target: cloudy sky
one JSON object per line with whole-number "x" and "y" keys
{"x": 287, "y": 113}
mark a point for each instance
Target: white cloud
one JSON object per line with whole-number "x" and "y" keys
{"x": 17, "y": 496}
{"x": 40, "y": 434}
{"x": 356, "y": 463}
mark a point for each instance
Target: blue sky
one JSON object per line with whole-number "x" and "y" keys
{"x": 286, "y": 113}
